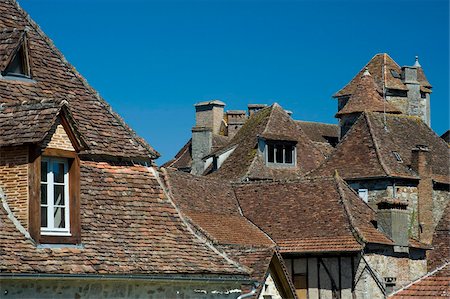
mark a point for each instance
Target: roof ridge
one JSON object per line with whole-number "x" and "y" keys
{"x": 83, "y": 81}
{"x": 375, "y": 143}
{"x": 421, "y": 278}
{"x": 353, "y": 228}
{"x": 168, "y": 193}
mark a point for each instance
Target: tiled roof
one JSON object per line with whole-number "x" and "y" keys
{"x": 367, "y": 150}
{"x": 272, "y": 123}
{"x": 375, "y": 66}
{"x": 128, "y": 226}
{"x": 10, "y": 40}
{"x": 54, "y": 79}
{"x": 183, "y": 159}
{"x": 212, "y": 206}
{"x": 441, "y": 242}
{"x": 318, "y": 132}
{"x": 365, "y": 97}
{"x": 435, "y": 284}
{"x": 333, "y": 217}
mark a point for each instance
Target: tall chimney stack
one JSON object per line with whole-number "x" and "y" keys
{"x": 208, "y": 121}
{"x": 235, "y": 119}
{"x": 421, "y": 163}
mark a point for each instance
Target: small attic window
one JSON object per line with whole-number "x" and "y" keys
{"x": 19, "y": 66}
{"x": 278, "y": 153}
{"x": 397, "y": 157}
{"x": 395, "y": 74}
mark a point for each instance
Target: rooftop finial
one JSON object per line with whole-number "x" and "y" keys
{"x": 417, "y": 64}
{"x": 366, "y": 72}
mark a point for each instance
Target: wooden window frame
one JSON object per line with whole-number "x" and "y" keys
{"x": 34, "y": 216}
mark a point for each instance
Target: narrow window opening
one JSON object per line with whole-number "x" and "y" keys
{"x": 55, "y": 197}
{"x": 395, "y": 74}
{"x": 280, "y": 153}
{"x": 397, "y": 157}
{"x": 19, "y": 67}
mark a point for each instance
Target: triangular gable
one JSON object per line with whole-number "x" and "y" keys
{"x": 11, "y": 41}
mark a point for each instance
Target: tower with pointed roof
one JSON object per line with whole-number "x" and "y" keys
{"x": 406, "y": 88}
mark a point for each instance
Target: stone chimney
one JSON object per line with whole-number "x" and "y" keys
{"x": 421, "y": 163}
{"x": 235, "y": 119}
{"x": 417, "y": 106}
{"x": 393, "y": 220}
{"x": 208, "y": 120}
{"x": 253, "y": 108}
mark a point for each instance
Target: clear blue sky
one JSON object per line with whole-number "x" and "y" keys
{"x": 152, "y": 60}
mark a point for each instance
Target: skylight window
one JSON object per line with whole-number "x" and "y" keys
{"x": 395, "y": 74}
{"x": 397, "y": 157}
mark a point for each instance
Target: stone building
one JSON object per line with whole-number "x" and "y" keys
{"x": 383, "y": 148}
{"x": 84, "y": 212}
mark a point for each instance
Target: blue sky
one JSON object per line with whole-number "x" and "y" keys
{"x": 152, "y": 60}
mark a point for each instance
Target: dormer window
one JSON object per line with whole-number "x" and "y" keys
{"x": 280, "y": 153}
{"x": 19, "y": 66}
{"x": 55, "y": 219}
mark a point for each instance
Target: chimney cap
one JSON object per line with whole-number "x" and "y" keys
{"x": 392, "y": 203}
{"x": 256, "y": 106}
{"x": 212, "y": 103}
{"x": 236, "y": 112}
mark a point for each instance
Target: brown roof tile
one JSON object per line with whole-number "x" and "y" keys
{"x": 375, "y": 67}
{"x": 128, "y": 227}
{"x": 365, "y": 97}
{"x": 367, "y": 150}
{"x": 441, "y": 242}
{"x": 319, "y": 132}
{"x": 272, "y": 123}
{"x": 435, "y": 284}
{"x": 10, "y": 40}
{"x": 55, "y": 79}
{"x": 333, "y": 217}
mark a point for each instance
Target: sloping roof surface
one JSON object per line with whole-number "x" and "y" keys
{"x": 10, "y": 39}
{"x": 212, "y": 205}
{"x": 270, "y": 123}
{"x": 128, "y": 227}
{"x": 320, "y": 215}
{"x": 318, "y": 132}
{"x": 26, "y": 123}
{"x": 375, "y": 66}
{"x": 441, "y": 242}
{"x": 434, "y": 285}
{"x": 367, "y": 150}
{"x": 366, "y": 98}
{"x": 55, "y": 79}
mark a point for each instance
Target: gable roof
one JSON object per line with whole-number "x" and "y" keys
{"x": 333, "y": 218}
{"x": 271, "y": 123}
{"x": 375, "y": 66}
{"x": 129, "y": 227}
{"x": 30, "y": 122}
{"x": 365, "y": 97}
{"x": 54, "y": 79}
{"x": 435, "y": 284}
{"x": 367, "y": 150}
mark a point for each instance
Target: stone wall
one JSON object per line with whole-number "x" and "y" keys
{"x": 14, "y": 180}
{"x": 87, "y": 289}
{"x": 441, "y": 198}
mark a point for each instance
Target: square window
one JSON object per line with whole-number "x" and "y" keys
{"x": 280, "y": 153}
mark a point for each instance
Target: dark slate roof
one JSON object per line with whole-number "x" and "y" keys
{"x": 365, "y": 97}
{"x": 128, "y": 226}
{"x": 366, "y": 151}
{"x": 446, "y": 136}
{"x": 435, "y": 284}
{"x": 333, "y": 217}
{"x": 54, "y": 79}
{"x": 212, "y": 206}
{"x": 271, "y": 123}
{"x": 375, "y": 66}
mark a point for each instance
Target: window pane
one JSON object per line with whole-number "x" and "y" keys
{"x": 289, "y": 150}
{"x": 43, "y": 217}
{"x": 279, "y": 154}
{"x": 58, "y": 195}
{"x": 43, "y": 171}
{"x": 58, "y": 172}
{"x": 43, "y": 194}
{"x": 59, "y": 218}
{"x": 270, "y": 153}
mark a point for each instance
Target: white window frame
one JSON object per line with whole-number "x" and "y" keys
{"x": 364, "y": 194}
{"x": 280, "y": 164}
{"x": 50, "y": 230}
